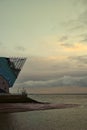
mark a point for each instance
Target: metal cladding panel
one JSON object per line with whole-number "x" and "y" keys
{"x": 10, "y": 68}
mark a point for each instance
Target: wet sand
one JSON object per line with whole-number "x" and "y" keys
{"x": 22, "y": 107}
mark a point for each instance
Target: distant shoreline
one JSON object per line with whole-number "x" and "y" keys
{"x": 57, "y": 94}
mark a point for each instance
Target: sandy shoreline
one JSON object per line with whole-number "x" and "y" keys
{"x": 23, "y": 107}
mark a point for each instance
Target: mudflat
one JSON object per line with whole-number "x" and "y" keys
{"x": 22, "y": 107}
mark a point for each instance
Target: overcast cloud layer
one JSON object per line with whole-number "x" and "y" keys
{"x": 44, "y": 73}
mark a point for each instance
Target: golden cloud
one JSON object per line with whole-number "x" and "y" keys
{"x": 78, "y": 47}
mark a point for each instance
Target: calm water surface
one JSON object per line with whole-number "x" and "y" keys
{"x": 57, "y": 119}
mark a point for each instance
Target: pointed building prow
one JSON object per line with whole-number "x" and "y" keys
{"x": 9, "y": 71}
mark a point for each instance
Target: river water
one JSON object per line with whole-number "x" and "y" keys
{"x": 56, "y": 119}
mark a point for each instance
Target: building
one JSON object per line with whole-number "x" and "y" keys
{"x": 9, "y": 70}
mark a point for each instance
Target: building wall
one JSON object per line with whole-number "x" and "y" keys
{"x": 4, "y": 86}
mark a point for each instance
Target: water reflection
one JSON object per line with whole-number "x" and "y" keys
{"x": 7, "y": 122}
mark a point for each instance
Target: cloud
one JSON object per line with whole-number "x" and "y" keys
{"x": 43, "y": 68}
{"x": 20, "y": 48}
{"x": 51, "y": 72}
{"x": 40, "y": 76}
{"x": 84, "y": 2}
{"x": 63, "y": 38}
{"x": 84, "y": 40}
{"x": 81, "y": 59}
{"x": 78, "y": 48}
{"x": 67, "y": 45}
{"x": 78, "y": 24}
{"x": 65, "y": 81}
{"x": 83, "y": 18}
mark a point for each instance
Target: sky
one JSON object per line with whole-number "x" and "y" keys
{"x": 52, "y": 34}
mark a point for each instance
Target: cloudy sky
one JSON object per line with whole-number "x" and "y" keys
{"x": 52, "y": 34}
